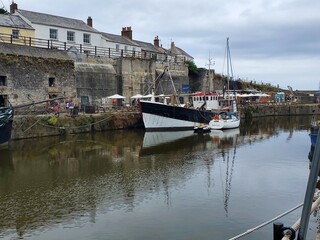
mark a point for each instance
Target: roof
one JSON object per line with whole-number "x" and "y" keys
{"x": 118, "y": 39}
{"x": 13, "y": 21}
{"x": 148, "y": 47}
{"x": 182, "y": 52}
{"x": 57, "y": 21}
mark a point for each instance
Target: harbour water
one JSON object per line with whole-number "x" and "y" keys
{"x": 131, "y": 184}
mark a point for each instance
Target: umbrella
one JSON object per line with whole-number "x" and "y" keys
{"x": 116, "y": 96}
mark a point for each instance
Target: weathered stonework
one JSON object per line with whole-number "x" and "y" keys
{"x": 35, "y": 74}
{"x": 28, "y": 75}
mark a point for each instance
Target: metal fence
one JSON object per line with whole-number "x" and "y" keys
{"x": 88, "y": 49}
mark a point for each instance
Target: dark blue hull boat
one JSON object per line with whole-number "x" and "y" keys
{"x": 6, "y": 119}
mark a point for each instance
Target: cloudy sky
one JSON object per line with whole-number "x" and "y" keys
{"x": 271, "y": 41}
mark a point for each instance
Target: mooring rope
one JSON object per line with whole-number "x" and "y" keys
{"x": 266, "y": 223}
{"x": 82, "y": 126}
{"x": 32, "y": 125}
{"x": 296, "y": 225}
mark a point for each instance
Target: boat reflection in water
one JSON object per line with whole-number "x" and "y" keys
{"x": 143, "y": 184}
{"x": 162, "y": 141}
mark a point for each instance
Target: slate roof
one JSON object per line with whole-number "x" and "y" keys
{"x": 57, "y": 21}
{"x": 14, "y": 22}
{"x": 182, "y": 52}
{"x": 149, "y": 47}
{"x": 119, "y": 39}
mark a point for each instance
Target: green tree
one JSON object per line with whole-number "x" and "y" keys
{"x": 3, "y": 11}
{"x": 193, "y": 69}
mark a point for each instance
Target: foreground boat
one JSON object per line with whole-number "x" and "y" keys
{"x": 6, "y": 119}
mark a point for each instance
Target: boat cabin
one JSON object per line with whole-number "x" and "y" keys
{"x": 208, "y": 101}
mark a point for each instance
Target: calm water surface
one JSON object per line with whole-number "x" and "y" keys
{"x": 136, "y": 185}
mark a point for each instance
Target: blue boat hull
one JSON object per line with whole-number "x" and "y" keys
{"x": 6, "y": 119}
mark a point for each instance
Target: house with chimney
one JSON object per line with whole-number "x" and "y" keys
{"x": 66, "y": 33}
{"x": 15, "y": 30}
{"x": 60, "y": 29}
{"x": 122, "y": 44}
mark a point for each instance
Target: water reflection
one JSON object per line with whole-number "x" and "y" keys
{"x": 69, "y": 180}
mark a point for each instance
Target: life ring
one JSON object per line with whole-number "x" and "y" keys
{"x": 216, "y": 117}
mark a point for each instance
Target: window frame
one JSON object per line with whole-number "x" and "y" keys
{"x": 86, "y": 38}
{"x": 71, "y": 36}
{"x": 53, "y": 34}
{"x": 15, "y": 33}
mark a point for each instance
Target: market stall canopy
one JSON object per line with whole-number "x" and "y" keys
{"x": 116, "y": 96}
{"x": 137, "y": 96}
{"x": 147, "y": 96}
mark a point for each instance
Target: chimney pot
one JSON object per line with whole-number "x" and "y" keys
{"x": 89, "y": 21}
{"x": 156, "y": 41}
{"x": 13, "y": 7}
{"x": 126, "y": 32}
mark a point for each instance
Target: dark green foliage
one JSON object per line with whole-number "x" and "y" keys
{"x": 3, "y": 11}
{"x": 193, "y": 69}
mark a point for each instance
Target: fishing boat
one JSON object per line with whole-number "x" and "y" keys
{"x": 160, "y": 116}
{"x": 229, "y": 118}
{"x": 168, "y": 114}
{"x": 6, "y": 119}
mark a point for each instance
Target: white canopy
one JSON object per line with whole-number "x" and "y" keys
{"x": 137, "y": 96}
{"x": 116, "y": 96}
{"x": 147, "y": 96}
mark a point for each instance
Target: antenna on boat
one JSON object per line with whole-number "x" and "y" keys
{"x": 210, "y": 80}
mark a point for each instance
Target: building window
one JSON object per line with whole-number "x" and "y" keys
{"x": 3, "y": 80}
{"x": 15, "y": 34}
{"x": 117, "y": 47}
{"x": 70, "y": 36}
{"x": 86, "y": 38}
{"x": 53, "y": 34}
{"x": 52, "y": 81}
{"x": 126, "y": 48}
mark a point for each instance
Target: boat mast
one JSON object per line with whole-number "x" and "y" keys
{"x": 210, "y": 80}
{"x": 229, "y": 70}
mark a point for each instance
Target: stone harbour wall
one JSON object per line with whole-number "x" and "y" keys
{"x": 29, "y": 126}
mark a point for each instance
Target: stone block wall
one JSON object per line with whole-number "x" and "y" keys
{"x": 35, "y": 74}
{"x": 33, "y": 78}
